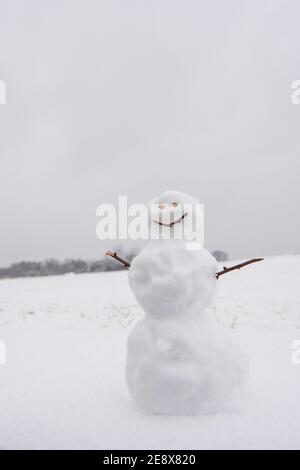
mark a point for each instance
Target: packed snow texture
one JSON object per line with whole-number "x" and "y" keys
{"x": 179, "y": 359}
{"x": 169, "y": 281}
{"x": 63, "y": 385}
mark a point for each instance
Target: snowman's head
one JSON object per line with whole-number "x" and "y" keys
{"x": 174, "y": 215}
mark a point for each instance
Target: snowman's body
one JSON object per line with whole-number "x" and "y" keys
{"x": 179, "y": 360}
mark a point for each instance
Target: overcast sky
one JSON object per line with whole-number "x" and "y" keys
{"x": 133, "y": 97}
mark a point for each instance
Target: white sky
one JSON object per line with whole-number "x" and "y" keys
{"x": 135, "y": 97}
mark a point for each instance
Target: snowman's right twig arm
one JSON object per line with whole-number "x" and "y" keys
{"x": 115, "y": 256}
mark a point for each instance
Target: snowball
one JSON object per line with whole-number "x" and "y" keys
{"x": 179, "y": 209}
{"x": 184, "y": 367}
{"x": 167, "y": 280}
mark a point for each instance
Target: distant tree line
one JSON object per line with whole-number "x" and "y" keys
{"x": 53, "y": 267}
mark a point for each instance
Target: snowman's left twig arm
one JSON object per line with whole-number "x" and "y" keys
{"x": 115, "y": 256}
{"x": 237, "y": 266}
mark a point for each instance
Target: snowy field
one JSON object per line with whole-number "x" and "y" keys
{"x": 63, "y": 383}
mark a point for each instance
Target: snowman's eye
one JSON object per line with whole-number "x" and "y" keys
{"x": 174, "y": 204}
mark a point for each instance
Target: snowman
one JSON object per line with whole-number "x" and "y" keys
{"x": 179, "y": 359}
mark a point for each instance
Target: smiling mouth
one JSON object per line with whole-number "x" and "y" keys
{"x": 172, "y": 223}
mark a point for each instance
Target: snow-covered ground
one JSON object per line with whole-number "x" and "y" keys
{"x": 63, "y": 383}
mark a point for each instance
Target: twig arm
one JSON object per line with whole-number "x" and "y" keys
{"x": 116, "y": 257}
{"x": 237, "y": 266}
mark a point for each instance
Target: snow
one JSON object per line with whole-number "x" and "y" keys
{"x": 63, "y": 385}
